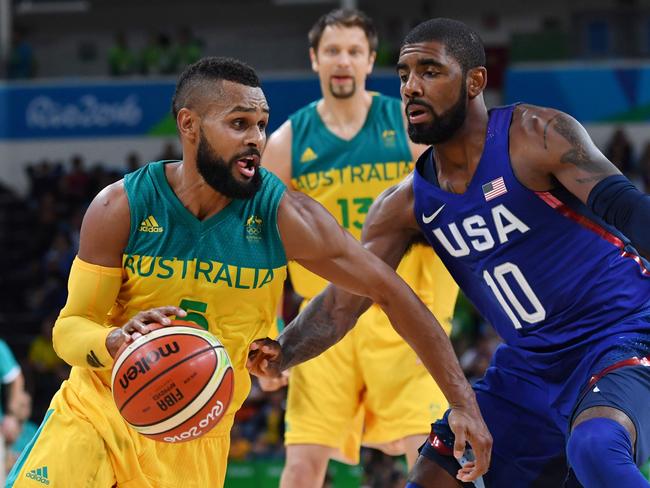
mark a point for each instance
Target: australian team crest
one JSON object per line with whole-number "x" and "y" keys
{"x": 388, "y": 137}
{"x": 254, "y": 228}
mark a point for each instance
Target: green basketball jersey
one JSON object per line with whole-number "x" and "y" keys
{"x": 346, "y": 176}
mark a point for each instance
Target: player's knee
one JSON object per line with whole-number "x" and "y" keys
{"x": 595, "y": 440}
{"x": 303, "y": 471}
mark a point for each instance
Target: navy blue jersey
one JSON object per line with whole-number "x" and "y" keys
{"x": 553, "y": 279}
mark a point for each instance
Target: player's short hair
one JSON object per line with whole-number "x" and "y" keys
{"x": 344, "y": 17}
{"x": 199, "y": 76}
{"x": 462, "y": 42}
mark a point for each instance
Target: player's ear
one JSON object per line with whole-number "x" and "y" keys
{"x": 188, "y": 124}
{"x": 314, "y": 59}
{"x": 476, "y": 81}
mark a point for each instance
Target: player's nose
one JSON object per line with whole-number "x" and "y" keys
{"x": 412, "y": 87}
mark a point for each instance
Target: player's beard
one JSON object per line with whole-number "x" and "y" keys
{"x": 219, "y": 174}
{"x": 342, "y": 92}
{"x": 442, "y": 127}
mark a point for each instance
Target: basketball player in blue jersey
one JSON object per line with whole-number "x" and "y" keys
{"x": 541, "y": 232}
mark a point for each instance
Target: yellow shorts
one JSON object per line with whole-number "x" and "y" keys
{"x": 83, "y": 442}
{"x": 370, "y": 388}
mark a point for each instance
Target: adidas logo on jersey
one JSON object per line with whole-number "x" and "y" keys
{"x": 308, "y": 155}
{"x": 150, "y": 225}
{"x": 39, "y": 475}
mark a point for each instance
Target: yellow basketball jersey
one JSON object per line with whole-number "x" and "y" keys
{"x": 347, "y": 176}
{"x": 227, "y": 272}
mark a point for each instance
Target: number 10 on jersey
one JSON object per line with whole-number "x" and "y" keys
{"x": 532, "y": 313}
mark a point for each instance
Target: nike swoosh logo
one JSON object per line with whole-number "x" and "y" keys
{"x": 429, "y": 219}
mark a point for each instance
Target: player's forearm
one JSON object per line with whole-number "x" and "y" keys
{"x": 420, "y": 329}
{"x": 82, "y": 342}
{"x": 322, "y": 323}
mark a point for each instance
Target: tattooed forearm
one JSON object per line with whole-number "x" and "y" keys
{"x": 311, "y": 333}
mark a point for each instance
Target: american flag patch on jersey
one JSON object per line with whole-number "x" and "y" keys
{"x": 494, "y": 188}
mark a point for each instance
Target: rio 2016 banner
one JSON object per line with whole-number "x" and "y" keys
{"x": 592, "y": 93}
{"x": 110, "y": 108}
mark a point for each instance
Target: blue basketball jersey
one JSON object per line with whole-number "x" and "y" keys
{"x": 553, "y": 279}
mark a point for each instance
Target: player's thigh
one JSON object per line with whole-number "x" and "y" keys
{"x": 324, "y": 396}
{"x": 625, "y": 391}
{"x": 402, "y": 399}
{"x": 66, "y": 451}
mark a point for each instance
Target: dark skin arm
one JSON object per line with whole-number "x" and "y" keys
{"x": 549, "y": 146}
{"x": 104, "y": 235}
{"x": 312, "y": 237}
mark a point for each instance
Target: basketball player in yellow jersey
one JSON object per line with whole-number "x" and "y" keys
{"x": 344, "y": 150}
{"x": 211, "y": 234}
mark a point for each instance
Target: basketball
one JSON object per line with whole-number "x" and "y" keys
{"x": 173, "y": 384}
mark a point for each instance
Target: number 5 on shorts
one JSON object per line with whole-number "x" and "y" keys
{"x": 195, "y": 311}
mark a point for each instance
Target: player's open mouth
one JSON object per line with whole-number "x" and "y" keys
{"x": 341, "y": 78}
{"x": 248, "y": 165}
{"x": 418, "y": 114}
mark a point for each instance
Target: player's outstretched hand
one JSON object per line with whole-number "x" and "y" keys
{"x": 137, "y": 326}
{"x": 264, "y": 358}
{"x": 468, "y": 426}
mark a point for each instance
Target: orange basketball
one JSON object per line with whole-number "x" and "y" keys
{"x": 173, "y": 384}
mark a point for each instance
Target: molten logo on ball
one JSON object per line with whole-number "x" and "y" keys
{"x": 144, "y": 364}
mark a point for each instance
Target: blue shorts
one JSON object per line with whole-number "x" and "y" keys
{"x": 626, "y": 389}
{"x": 529, "y": 420}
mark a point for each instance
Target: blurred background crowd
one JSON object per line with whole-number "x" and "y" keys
{"x": 43, "y": 198}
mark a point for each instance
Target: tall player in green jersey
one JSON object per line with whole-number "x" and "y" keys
{"x": 210, "y": 234}
{"x": 343, "y": 151}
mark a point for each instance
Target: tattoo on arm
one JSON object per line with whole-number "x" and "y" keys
{"x": 577, "y": 155}
{"x": 311, "y": 333}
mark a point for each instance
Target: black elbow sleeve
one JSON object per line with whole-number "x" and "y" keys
{"x": 619, "y": 203}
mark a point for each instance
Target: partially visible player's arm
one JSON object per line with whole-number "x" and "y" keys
{"x": 277, "y": 154}
{"x": 80, "y": 335}
{"x": 312, "y": 237}
{"x": 562, "y": 147}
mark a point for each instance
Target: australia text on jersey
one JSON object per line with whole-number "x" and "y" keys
{"x": 363, "y": 173}
{"x": 196, "y": 269}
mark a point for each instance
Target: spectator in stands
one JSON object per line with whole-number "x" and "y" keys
{"x": 619, "y": 151}
{"x": 121, "y": 60}
{"x": 189, "y": 48}
{"x": 27, "y": 429}
{"x": 12, "y": 376}
{"x": 158, "y": 56}
{"x": 21, "y": 63}
{"x": 169, "y": 152}
{"x": 133, "y": 162}
{"x": 76, "y": 182}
